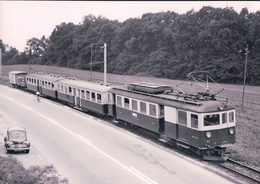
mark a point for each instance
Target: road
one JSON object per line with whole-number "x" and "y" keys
{"x": 87, "y": 150}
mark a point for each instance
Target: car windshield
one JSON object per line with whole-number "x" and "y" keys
{"x": 17, "y": 135}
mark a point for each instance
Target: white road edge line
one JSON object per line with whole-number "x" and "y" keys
{"x": 135, "y": 172}
{"x": 40, "y": 157}
{"x": 142, "y": 175}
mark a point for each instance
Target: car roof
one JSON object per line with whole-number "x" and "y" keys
{"x": 16, "y": 128}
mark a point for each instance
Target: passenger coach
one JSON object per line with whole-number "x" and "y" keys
{"x": 87, "y": 96}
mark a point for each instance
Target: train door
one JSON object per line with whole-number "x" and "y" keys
{"x": 182, "y": 129}
{"x": 76, "y": 93}
{"x": 38, "y": 85}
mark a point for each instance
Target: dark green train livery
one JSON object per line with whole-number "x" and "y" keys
{"x": 199, "y": 122}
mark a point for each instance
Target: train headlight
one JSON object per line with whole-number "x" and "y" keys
{"x": 208, "y": 134}
{"x": 231, "y": 131}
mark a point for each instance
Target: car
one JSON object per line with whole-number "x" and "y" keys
{"x": 16, "y": 140}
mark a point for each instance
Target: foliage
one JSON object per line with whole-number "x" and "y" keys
{"x": 12, "y": 172}
{"x": 164, "y": 44}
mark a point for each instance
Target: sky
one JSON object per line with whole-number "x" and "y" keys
{"x": 22, "y": 20}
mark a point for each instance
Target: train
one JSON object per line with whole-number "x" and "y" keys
{"x": 200, "y": 122}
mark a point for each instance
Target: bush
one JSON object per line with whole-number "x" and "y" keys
{"x": 12, "y": 172}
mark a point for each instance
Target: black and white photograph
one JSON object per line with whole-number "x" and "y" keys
{"x": 129, "y": 92}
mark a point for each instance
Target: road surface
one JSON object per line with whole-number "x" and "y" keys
{"x": 87, "y": 150}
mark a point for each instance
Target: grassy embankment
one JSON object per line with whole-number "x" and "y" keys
{"x": 247, "y": 147}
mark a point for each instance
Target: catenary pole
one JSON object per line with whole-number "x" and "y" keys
{"x": 244, "y": 86}
{"x": 105, "y": 64}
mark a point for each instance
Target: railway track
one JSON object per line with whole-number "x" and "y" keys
{"x": 241, "y": 169}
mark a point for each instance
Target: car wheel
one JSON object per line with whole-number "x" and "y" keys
{"x": 27, "y": 151}
{"x": 7, "y": 151}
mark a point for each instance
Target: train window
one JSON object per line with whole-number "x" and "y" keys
{"x": 231, "y": 117}
{"x": 61, "y": 88}
{"x": 224, "y": 118}
{"x": 93, "y": 96}
{"x": 143, "y": 107}
{"x": 119, "y": 101}
{"x": 98, "y": 98}
{"x": 87, "y": 95}
{"x": 126, "y": 103}
{"x": 83, "y": 94}
{"x": 194, "y": 121}
{"x": 70, "y": 90}
{"x": 52, "y": 85}
{"x": 152, "y": 110}
{"x": 49, "y": 84}
{"x": 134, "y": 105}
{"x": 212, "y": 119}
{"x": 34, "y": 81}
{"x": 65, "y": 89}
{"x": 45, "y": 84}
{"x": 42, "y": 83}
{"x": 182, "y": 117}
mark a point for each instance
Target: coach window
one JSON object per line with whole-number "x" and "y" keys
{"x": 143, "y": 107}
{"x": 45, "y": 84}
{"x": 224, "y": 118}
{"x": 119, "y": 101}
{"x": 70, "y": 90}
{"x": 87, "y": 95}
{"x": 134, "y": 105}
{"x": 52, "y": 85}
{"x": 93, "y": 96}
{"x": 126, "y": 103}
{"x": 152, "y": 110}
{"x": 34, "y": 81}
{"x": 42, "y": 83}
{"x": 83, "y": 94}
{"x": 194, "y": 120}
{"x": 231, "y": 117}
{"x": 182, "y": 117}
{"x": 98, "y": 98}
{"x": 65, "y": 89}
{"x": 211, "y": 119}
{"x": 49, "y": 85}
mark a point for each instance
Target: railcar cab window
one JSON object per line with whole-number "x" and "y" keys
{"x": 126, "y": 103}
{"x": 134, "y": 105}
{"x": 194, "y": 121}
{"x": 98, "y": 98}
{"x": 231, "y": 117}
{"x": 143, "y": 107}
{"x": 182, "y": 118}
{"x": 211, "y": 120}
{"x": 119, "y": 101}
{"x": 224, "y": 118}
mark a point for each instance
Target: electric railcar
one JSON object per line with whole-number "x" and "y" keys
{"x": 200, "y": 122}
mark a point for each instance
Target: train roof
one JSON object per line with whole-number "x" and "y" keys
{"x": 173, "y": 100}
{"x": 85, "y": 85}
{"x": 18, "y": 72}
{"x": 44, "y": 76}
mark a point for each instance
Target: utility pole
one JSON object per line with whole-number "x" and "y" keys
{"x": 105, "y": 64}
{"x": 243, "y": 97}
{"x": 91, "y": 47}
